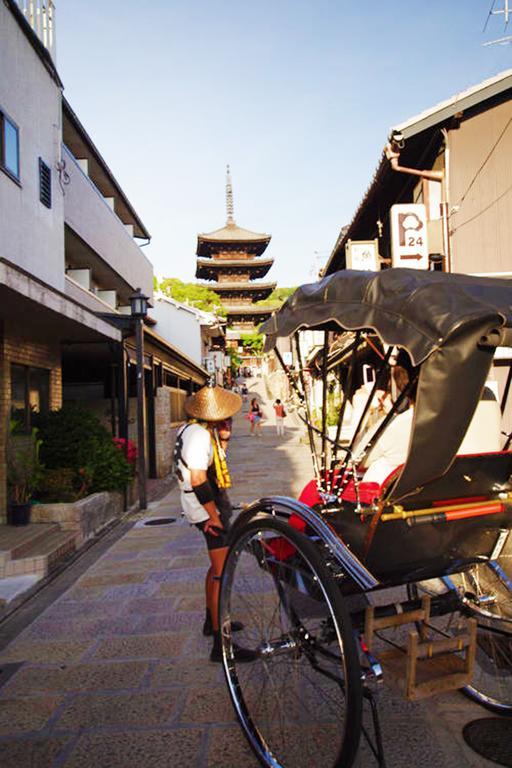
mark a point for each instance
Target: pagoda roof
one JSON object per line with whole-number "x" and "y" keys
{"x": 229, "y": 235}
{"x": 258, "y": 314}
{"x": 209, "y": 268}
{"x": 237, "y": 287}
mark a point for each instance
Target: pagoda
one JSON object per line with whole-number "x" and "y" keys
{"x": 230, "y": 258}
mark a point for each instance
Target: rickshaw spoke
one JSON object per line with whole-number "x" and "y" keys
{"x": 296, "y": 688}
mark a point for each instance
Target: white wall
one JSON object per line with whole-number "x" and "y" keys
{"x": 31, "y": 235}
{"x": 179, "y": 327}
{"x": 91, "y": 217}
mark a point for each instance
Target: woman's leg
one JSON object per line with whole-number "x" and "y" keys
{"x": 217, "y": 559}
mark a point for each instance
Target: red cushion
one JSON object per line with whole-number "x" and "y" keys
{"x": 280, "y": 548}
{"x": 368, "y": 492}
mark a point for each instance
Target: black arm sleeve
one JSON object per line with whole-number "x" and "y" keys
{"x": 204, "y": 492}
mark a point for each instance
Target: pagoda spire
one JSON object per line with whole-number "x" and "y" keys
{"x": 230, "y": 221}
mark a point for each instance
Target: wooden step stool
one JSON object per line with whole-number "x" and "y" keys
{"x": 425, "y": 667}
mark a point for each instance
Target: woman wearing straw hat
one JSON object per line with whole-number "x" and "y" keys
{"x": 203, "y": 477}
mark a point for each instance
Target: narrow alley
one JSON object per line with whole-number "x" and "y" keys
{"x": 114, "y": 673}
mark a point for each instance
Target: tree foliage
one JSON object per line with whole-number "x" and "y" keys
{"x": 252, "y": 342}
{"x": 277, "y": 297}
{"x": 193, "y": 294}
{"x": 236, "y": 360}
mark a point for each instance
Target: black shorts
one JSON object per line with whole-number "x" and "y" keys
{"x": 212, "y": 541}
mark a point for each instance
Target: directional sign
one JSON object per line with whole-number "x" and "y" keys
{"x": 362, "y": 254}
{"x": 409, "y": 245}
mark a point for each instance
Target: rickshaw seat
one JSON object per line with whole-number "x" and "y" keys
{"x": 470, "y": 476}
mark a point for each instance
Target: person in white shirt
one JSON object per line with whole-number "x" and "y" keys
{"x": 203, "y": 477}
{"x": 392, "y": 446}
{"x": 390, "y": 450}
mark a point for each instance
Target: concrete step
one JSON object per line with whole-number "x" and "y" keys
{"x": 43, "y": 554}
{"x": 16, "y": 540}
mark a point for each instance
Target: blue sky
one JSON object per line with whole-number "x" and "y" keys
{"x": 297, "y": 95}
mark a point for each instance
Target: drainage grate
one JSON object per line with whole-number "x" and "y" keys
{"x": 490, "y": 738}
{"x": 160, "y": 521}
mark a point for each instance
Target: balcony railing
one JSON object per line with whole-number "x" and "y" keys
{"x": 40, "y": 14}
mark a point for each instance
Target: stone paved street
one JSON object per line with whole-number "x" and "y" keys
{"x": 116, "y": 674}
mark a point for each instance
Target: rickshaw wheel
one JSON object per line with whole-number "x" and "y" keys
{"x": 489, "y": 601}
{"x": 299, "y": 701}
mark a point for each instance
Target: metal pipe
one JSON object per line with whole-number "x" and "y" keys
{"x": 445, "y": 203}
{"x": 316, "y": 468}
{"x": 346, "y": 396}
{"x": 392, "y": 155}
{"x": 324, "y": 409}
{"x": 451, "y": 510}
{"x": 141, "y": 447}
{"x": 378, "y": 381}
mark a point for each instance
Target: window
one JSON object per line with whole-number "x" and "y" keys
{"x": 30, "y": 394}
{"x": 9, "y": 146}
{"x": 45, "y": 184}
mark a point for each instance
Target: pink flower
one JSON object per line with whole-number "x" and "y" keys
{"x": 128, "y": 447}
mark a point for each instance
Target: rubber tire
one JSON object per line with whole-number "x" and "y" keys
{"x": 354, "y": 697}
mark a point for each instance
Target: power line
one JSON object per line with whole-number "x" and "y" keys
{"x": 476, "y": 215}
{"x": 484, "y": 162}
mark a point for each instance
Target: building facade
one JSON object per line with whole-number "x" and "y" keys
{"x": 70, "y": 259}
{"x": 454, "y": 159}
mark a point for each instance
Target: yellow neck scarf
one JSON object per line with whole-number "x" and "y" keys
{"x": 220, "y": 463}
{"x": 219, "y": 457}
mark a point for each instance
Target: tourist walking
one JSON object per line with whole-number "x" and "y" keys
{"x": 255, "y": 417}
{"x": 203, "y": 476}
{"x": 280, "y": 416}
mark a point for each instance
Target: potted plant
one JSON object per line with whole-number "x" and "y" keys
{"x": 23, "y": 474}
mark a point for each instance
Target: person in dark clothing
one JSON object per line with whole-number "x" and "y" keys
{"x": 255, "y": 417}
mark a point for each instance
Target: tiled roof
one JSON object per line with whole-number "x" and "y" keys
{"x": 233, "y": 233}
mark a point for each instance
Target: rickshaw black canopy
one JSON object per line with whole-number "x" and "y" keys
{"x": 439, "y": 319}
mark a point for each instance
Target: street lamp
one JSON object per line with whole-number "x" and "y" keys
{"x": 139, "y": 308}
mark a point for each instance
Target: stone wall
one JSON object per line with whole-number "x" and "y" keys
{"x": 86, "y": 517}
{"x": 163, "y": 431}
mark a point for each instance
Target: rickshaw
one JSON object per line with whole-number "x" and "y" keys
{"x": 409, "y": 579}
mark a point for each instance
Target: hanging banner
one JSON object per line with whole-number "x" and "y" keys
{"x": 409, "y": 244}
{"x": 362, "y": 254}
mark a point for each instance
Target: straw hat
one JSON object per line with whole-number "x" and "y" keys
{"x": 213, "y": 404}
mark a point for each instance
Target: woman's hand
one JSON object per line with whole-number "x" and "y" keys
{"x": 213, "y": 526}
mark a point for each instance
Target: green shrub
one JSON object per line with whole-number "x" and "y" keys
{"x": 58, "y": 485}
{"x": 24, "y": 468}
{"x": 74, "y": 438}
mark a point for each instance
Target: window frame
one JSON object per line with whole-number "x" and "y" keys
{"x": 27, "y": 425}
{"x": 5, "y": 117}
{"x": 45, "y": 198}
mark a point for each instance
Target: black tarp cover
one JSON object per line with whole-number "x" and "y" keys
{"x": 439, "y": 319}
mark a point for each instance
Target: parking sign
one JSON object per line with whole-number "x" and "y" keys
{"x": 409, "y": 244}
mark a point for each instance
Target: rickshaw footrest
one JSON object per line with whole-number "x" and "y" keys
{"x": 424, "y": 667}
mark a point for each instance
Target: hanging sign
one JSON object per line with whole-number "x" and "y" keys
{"x": 409, "y": 245}
{"x": 362, "y": 254}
